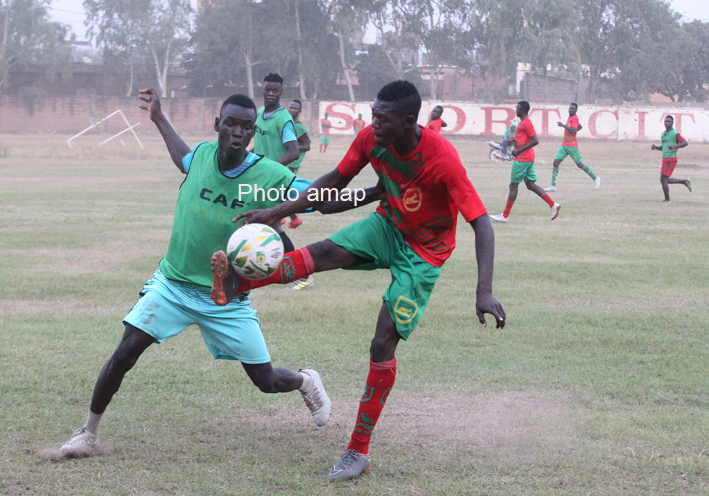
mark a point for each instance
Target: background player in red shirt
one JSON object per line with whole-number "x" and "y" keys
{"x": 523, "y": 166}
{"x": 358, "y": 125}
{"x": 571, "y": 147}
{"x": 435, "y": 123}
{"x": 424, "y": 186}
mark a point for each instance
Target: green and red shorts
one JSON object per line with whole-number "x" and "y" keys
{"x": 380, "y": 245}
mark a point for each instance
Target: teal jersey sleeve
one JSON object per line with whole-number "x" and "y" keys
{"x": 187, "y": 159}
{"x": 288, "y": 132}
{"x": 301, "y": 185}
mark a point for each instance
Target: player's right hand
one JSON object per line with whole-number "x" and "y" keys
{"x": 152, "y": 99}
{"x": 486, "y": 303}
{"x": 258, "y": 216}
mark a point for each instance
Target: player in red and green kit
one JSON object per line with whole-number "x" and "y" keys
{"x": 671, "y": 142}
{"x": 325, "y": 126}
{"x": 435, "y": 123}
{"x": 423, "y": 187}
{"x": 570, "y": 147}
{"x": 358, "y": 124}
{"x": 523, "y": 165}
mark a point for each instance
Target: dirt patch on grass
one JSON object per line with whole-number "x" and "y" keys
{"x": 511, "y": 425}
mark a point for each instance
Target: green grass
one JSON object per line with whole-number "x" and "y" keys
{"x": 598, "y": 384}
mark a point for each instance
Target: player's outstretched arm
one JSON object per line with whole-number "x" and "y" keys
{"x": 177, "y": 148}
{"x": 311, "y": 198}
{"x": 371, "y": 194}
{"x": 485, "y": 255}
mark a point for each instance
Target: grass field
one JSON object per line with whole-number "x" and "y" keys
{"x": 598, "y": 385}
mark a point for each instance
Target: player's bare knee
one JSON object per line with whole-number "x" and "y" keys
{"x": 529, "y": 184}
{"x": 266, "y": 384}
{"x": 580, "y": 165}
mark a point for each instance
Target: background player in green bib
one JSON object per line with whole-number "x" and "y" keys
{"x": 178, "y": 295}
{"x": 570, "y": 147}
{"x": 412, "y": 234}
{"x": 325, "y": 126}
{"x": 303, "y": 139}
{"x": 671, "y": 142}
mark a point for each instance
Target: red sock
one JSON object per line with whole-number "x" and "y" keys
{"x": 548, "y": 199}
{"x": 508, "y": 209}
{"x": 379, "y": 383}
{"x": 295, "y": 265}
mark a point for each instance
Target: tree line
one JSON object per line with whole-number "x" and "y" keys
{"x": 632, "y": 48}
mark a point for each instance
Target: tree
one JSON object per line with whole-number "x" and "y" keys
{"x": 30, "y": 39}
{"x": 441, "y": 27}
{"x": 683, "y": 67}
{"x": 156, "y": 28}
{"x": 549, "y": 37}
{"x": 621, "y": 42}
{"x": 222, "y": 46}
{"x": 498, "y": 29}
{"x": 397, "y": 39}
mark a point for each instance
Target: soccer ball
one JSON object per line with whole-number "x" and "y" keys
{"x": 255, "y": 251}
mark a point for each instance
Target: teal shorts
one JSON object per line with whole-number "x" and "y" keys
{"x": 565, "y": 151}
{"x": 325, "y": 139}
{"x": 380, "y": 244}
{"x": 167, "y": 307}
{"x": 523, "y": 171}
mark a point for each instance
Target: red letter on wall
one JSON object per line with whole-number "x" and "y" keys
{"x": 489, "y": 120}
{"x": 459, "y": 120}
{"x": 545, "y": 118}
{"x": 592, "y": 124}
{"x": 641, "y": 124}
{"x": 678, "y": 119}
{"x": 348, "y": 118}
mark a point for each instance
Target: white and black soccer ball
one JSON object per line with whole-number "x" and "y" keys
{"x": 255, "y": 251}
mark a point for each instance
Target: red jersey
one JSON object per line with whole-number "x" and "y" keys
{"x": 358, "y": 125}
{"x": 425, "y": 190}
{"x": 525, "y": 133}
{"x": 435, "y": 125}
{"x": 570, "y": 138}
{"x": 325, "y": 129}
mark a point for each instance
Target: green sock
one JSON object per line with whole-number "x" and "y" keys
{"x": 588, "y": 171}
{"x": 554, "y": 175}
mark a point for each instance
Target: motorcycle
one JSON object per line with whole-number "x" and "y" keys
{"x": 497, "y": 153}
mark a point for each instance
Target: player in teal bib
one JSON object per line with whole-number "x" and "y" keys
{"x": 671, "y": 142}
{"x": 223, "y": 180}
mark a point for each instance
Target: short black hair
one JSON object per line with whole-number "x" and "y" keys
{"x": 404, "y": 94}
{"x": 240, "y": 100}
{"x": 673, "y": 119}
{"x": 273, "y": 77}
{"x": 525, "y": 105}
{"x": 575, "y": 104}
{"x": 298, "y": 102}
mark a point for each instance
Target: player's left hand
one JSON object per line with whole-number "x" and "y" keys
{"x": 560, "y": 124}
{"x": 152, "y": 102}
{"x": 486, "y": 303}
{"x": 258, "y": 216}
{"x": 515, "y": 152}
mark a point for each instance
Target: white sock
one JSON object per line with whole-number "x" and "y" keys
{"x": 92, "y": 422}
{"x": 307, "y": 382}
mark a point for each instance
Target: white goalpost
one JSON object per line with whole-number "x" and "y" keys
{"x": 129, "y": 128}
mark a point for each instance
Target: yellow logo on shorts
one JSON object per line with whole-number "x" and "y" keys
{"x": 405, "y": 310}
{"x": 412, "y": 199}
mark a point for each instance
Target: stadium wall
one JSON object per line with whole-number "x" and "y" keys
{"x": 70, "y": 115}
{"x": 619, "y": 122}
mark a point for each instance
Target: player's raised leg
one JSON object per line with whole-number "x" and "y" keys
{"x": 84, "y": 441}
{"x": 318, "y": 257}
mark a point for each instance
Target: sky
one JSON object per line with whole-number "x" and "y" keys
{"x": 71, "y": 12}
